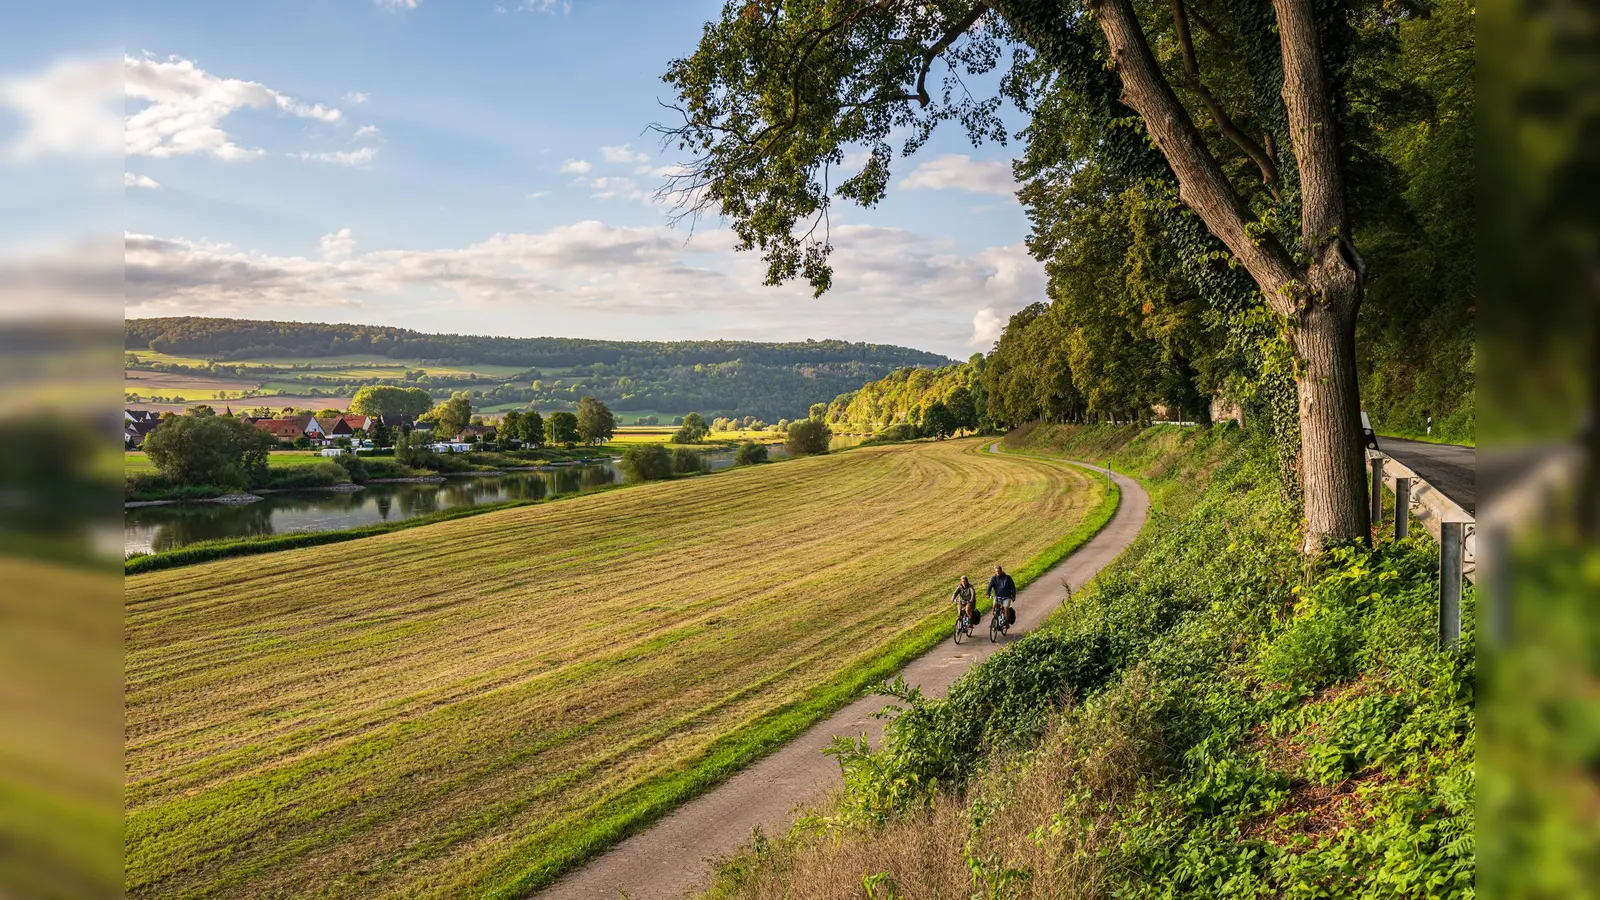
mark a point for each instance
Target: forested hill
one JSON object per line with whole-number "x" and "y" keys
{"x": 237, "y": 339}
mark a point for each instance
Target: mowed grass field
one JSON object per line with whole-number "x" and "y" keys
{"x": 463, "y": 708}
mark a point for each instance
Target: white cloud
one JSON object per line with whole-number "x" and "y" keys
{"x": 339, "y": 157}
{"x": 576, "y": 166}
{"x": 71, "y": 108}
{"x": 959, "y": 172}
{"x": 536, "y": 195}
{"x": 612, "y": 187}
{"x": 358, "y": 97}
{"x": 987, "y": 326}
{"x": 396, "y": 4}
{"x": 338, "y": 245}
{"x": 367, "y": 131}
{"x": 130, "y": 180}
{"x": 187, "y": 105}
{"x": 623, "y": 155}
{"x": 890, "y": 284}
{"x": 545, "y": 6}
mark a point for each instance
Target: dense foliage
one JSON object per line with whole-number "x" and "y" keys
{"x": 807, "y": 438}
{"x": 1200, "y": 722}
{"x": 750, "y": 453}
{"x": 646, "y": 462}
{"x": 596, "y": 424}
{"x": 202, "y": 449}
{"x": 907, "y": 395}
{"x": 383, "y": 400}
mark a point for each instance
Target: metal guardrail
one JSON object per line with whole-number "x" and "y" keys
{"x": 1453, "y": 527}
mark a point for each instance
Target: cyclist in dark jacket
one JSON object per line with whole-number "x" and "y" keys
{"x": 1002, "y": 589}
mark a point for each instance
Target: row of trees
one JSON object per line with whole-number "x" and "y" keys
{"x": 1215, "y": 189}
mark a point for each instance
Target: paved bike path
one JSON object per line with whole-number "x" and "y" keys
{"x": 671, "y": 858}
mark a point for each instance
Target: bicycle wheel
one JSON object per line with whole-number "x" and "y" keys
{"x": 994, "y": 629}
{"x": 961, "y": 628}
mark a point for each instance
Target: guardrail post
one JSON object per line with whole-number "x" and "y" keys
{"x": 1452, "y": 543}
{"x": 1402, "y": 508}
{"x": 1377, "y": 490}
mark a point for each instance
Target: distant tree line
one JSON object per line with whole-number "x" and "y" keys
{"x": 244, "y": 339}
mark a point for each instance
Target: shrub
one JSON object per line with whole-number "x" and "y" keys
{"x": 899, "y": 431}
{"x": 807, "y": 438}
{"x": 651, "y": 462}
{"x": 316, "y": 475}
{"x": 750, "y": 453}
{"x": 354, "y": 466}
{"x": 686, "y": 462}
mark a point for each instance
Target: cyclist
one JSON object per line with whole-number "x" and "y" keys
{"x": 966, "y": 601}
{"x": 1003, "y": 590}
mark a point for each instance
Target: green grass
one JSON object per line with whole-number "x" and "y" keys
{"x": 137, "y": 461}
{"x": 474, "y": 706}
{"x": 1206, "y": 719}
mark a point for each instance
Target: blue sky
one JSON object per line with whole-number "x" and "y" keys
{"x": 477, "y": 166}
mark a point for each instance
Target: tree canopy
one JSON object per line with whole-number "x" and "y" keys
{"x": 1194, "y": 171}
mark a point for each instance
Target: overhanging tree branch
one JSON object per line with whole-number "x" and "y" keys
{"x": 1202, "y": 185}
{"x": 1225, "y": 124}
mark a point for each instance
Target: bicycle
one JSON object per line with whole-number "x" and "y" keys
{"x": 963, "y": 625}
{"x": 999, "y": 620}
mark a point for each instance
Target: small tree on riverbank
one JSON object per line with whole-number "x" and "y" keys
{"x": 692, "y": 431}
{"x": 596, "y": 423}
{"x": 561, "y": 428}
{"x": 807, "y": 438}
{"x": 750, "y": 453}
{"x": 209, "y": 449}
{"x": 651, "y": 462}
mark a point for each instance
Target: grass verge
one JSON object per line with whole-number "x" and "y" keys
{"x": 1205, "y": 721}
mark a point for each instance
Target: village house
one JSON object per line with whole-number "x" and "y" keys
{"x": 137, "y": 424}
{"x": 473, "y": 432}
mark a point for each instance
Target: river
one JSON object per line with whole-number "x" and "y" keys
{"x": 150, "y": 529}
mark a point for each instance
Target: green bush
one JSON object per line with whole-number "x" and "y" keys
{"x": 686, "y": 462}
{"x": 316, "y": 475}
{"x": 650, "y": 462}
{"x": 750, "y": 453}
{"x": 355, "y": 467}
{"x": 893, "y": 434}
{"x": 807, "y": 438}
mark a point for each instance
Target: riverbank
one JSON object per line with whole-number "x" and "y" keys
{"x": 220, "y": 548}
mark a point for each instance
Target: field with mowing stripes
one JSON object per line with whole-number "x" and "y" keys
{"x": 464, "y": 709}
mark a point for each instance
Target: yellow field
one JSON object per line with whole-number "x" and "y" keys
{"x": 462, "y": 708}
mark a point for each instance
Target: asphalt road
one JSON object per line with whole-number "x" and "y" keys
{"x": 672, "y": 857}
{"x": 1452, "y": 470}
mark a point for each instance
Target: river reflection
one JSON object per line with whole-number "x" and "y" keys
{"x": 157, "y": 528}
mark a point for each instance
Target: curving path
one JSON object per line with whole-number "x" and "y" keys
{"x": 671, "y": 858}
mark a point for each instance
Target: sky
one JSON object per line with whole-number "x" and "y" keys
{"x": 465, "y": 166}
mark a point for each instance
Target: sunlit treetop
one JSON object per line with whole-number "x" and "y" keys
{"x": 777, "y": 92}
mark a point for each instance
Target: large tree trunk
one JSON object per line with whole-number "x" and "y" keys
{"x": 1321, "y": 299}
{"x": 1324, "y": 339}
